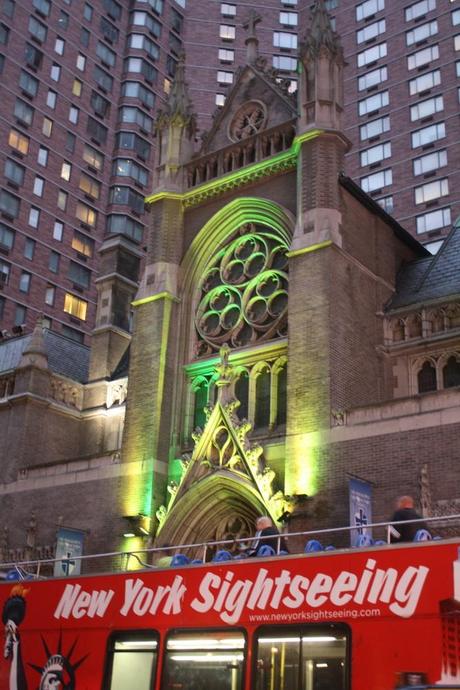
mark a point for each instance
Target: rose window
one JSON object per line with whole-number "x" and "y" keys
{"x": 244, "y": 291}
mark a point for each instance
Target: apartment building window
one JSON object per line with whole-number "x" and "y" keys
{"x": 423, "y": 57}
{"x": 29, "y": 249}
{"x": 89, "y": 186}
{"x": 43, "y": 6}
{"x": 370, "y": 183}
{"x": 47, "y": 127}
{"x": 226, "y": 55}
{"x": 141, "y": 42}
{"x": 224, "y": 77}
{"x": 125, "y": 167}
{"x": 58, "y": 230}
{"x": 28, "y": 84}
{"x": 37, "y": 30}
{"x": 83, "y": 244}
{"x": 422, "y": 32}
{"x": 457, "y": 42}
{"x": 23, "y": 112}
{"x": 108, "y": 30}
{"x": 427, "y": 135}
{"x": 75, "y": 306}
{"x": 24, "y": 282}
{"x": 283, "y": 39}
{"x": 20, "y": 315}
{"x": 125, "y": 196}
{"x": 375, "y": 154}
{"x": 8, "y": 7}
{"x": 81, "y": 62}
{"x": 9, "y": 204}
{"x": 73, "y": 114}
{"x": 373, "y": 103}
{"x": 141, "y": 66}
{"x": 373, "y": 78}
{"x": 136, "y": 116}
{"x": 288, "y": 18}
{"x": 51, "y": 98}
{"x": 42, "y": 157}
{"x": 285, "y": 63}
{"x": 424, "y": 82}
{"x": 2, "y": 63}
{"x": 70, "y": 142}
{"x": 368, "y": 8}
{"x": 77, "y": 87}
{"x": 418, "y": 9}
{"x": 5, "y": 269}
{"x": 34, "y": 217}
{"x": 227, "y": 10}
{"x": 124, "y": 225}
{"x": 99, "y": 104}
{"x": 94, "y": 158}
{"x": 4, "y": 34}
{"x": 220, "y": 100}
{"x": 50, "y": 295}
{"x": 431, "y": 190}
{"x": 66, "y": 169}
{"x": 144, "y": 19}
{"x": 63, "y": 20}
{"x": 18, "y": 141}
{"x": 86, "y": 214}
{"x": 59, "y": 45}
{"x": 14, "y": 172}
{"x": 371, "y": 55}
{"x": 62, "y": 199}
{"x": 32, "y": 56}
{"x": 55, "y": 72}
{"x": 386, "y": 202}
{"x": 112, "y": 8}
{"x": 133, "y": 142}
{"x": 39, "y": 186}
{"x": 134, "y": 89}
{"x": 53, "y": 262}
{"x": 96, "y": 130}
{"x": 227, "y": 32}
{"x": 426, "y": 108}
{"x": 156, "y": 5}
{"x": 370, "y": 31}
{"x": 105, "y": 54}
{"x": 84, "y": 37}
{"x": 103, "y": 78}
{"x": 79, "y": 274}
{"x": 434, "y": 220}
{"x": 6, "y": 237}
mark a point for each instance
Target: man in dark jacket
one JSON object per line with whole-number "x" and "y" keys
{"x": 405, "y": 511}
{"x": 265, "y": 528}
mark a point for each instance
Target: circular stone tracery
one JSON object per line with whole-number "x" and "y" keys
{"x": 249, "y": 119}
{"x": 244, "y": 291}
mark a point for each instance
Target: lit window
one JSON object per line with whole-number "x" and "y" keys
{"x": 284, "y": 63}
{"x": 55, "y": 72}
{"x": 18, "y": 141}
{"x": 373, "y": 78}
{"x": 94, "y": 158}
{"x": 39, "y": 185}
{"x": 423, "y": 57}
{"x": 224, "y": 77}
{"x": 220, "y": 99}
{"x": 125, "y": 167}
{"x": 47, "y": 127}
{"x": 42, "y": 157}
{"x": 62, "y": 200}
{"x": 424, "y": 82}
{"x": 82, "y": 244}
{"x": 370, "y": 31}
{"x": 282, "y": 39}
{"x": 426, "y": 108}
{"x": 375, "y": 154}
{"x": 51, "y": 98}
{"x": 420, "y": 33}
{"x": 89, "y": 186}
{"x": 58, "y": 230}
{"x": 365, "y": 9}
{"x": 24, "y": 282}
{"x": 34, "y": 217}
{"x": 457, "y": 42}
{"x": 226, "y": 55}
{"x": 141, "y": 650}
{"x": 75, "y": 306}
{"x": 227, "y": 32}
{"x": 50, "y": 294}
{"x": 431, "y": 190}
{"x": 66, "y": 169}
{"x": 77, "y": 87}
{"x": 228, "y": 10}
{"x": 455, "y": 17}
{"x": 59, "y": 46}
{"x": 81, "y": 62}
{"x": 86, "y": 214}
{"x": 434, "y": 220}
{"x": 73, "y": 114}
{"x": 365, "y": 57}
{"x": 418, "y": 9}
{"x": 288, "y": 18}
{"x": 426, "y": 135}
{"x": 141, "y": 42}
{"x": 373, "y": 103}
{"x": 376, "y": 181}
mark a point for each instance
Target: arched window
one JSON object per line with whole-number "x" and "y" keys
{"x": 242, "y": 394}
{"x": 281, "y": 396}
{"x": 451, "y": 373}
{"x": 201, "y": 399}
{"x": 426, "y": 378}
{"x": 262, "y": 412}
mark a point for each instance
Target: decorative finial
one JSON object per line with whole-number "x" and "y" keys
{"x": 321, "y": 33}
{"x": 252, "y": 42}
{"x": 179, "y": 105}
{"x": 226, "y": 375}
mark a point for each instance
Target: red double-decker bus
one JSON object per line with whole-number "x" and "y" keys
{"x": 377, "y": 618}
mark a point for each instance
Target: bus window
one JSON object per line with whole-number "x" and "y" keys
{"x": 307, "y": 658}
{"x": 132, "y": 661}
{"x": 207, "y": 660}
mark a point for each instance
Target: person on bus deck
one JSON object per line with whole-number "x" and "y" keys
{"x": 266, "y": 528}
{"x": 405, "y": 511}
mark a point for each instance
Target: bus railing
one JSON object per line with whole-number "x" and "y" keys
{"x": 145, "y": 558}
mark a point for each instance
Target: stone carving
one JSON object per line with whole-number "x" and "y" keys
{"x": 63, "y": 391}
{"x": 6, "y": 386}
{"x": 249, "y": 119}
{"x": 338, "y": 417}
{"x": 425, "y": 492}
{"x": 117, "y": 392}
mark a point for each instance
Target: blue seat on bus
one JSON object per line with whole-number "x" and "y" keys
{"x": 13, "y": 575}
{"x": 330, "y": 548}
{"x": 364, "y": 540}
{"x": 422, "y": 535}
{"x": 197, "y": 561}
{"x": 222, "y": 555}
{"x": 313, "y": 545}
{"x": 240, "y": 556}
{"x": 179, "y": 559}
{"x": 283, "y": 553}
{"x": 380, "y": 542}
{"x": 266, "y": 550}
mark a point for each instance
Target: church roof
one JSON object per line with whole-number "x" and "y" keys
{"x": 65, "y": 357}
{"x": 432, "y": 279}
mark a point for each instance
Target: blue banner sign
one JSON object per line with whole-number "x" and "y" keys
{"x": 69, "y": 546}
{"x": 360, "y": 496}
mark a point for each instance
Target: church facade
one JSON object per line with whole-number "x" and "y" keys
{"x": 287, "y": 336}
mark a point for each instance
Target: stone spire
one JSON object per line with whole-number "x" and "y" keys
{"x": 321, "y": 34}
{"x": 252, "y": 42}
{"x": 35, "y": 352}
{"x": 179, "y": 106}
